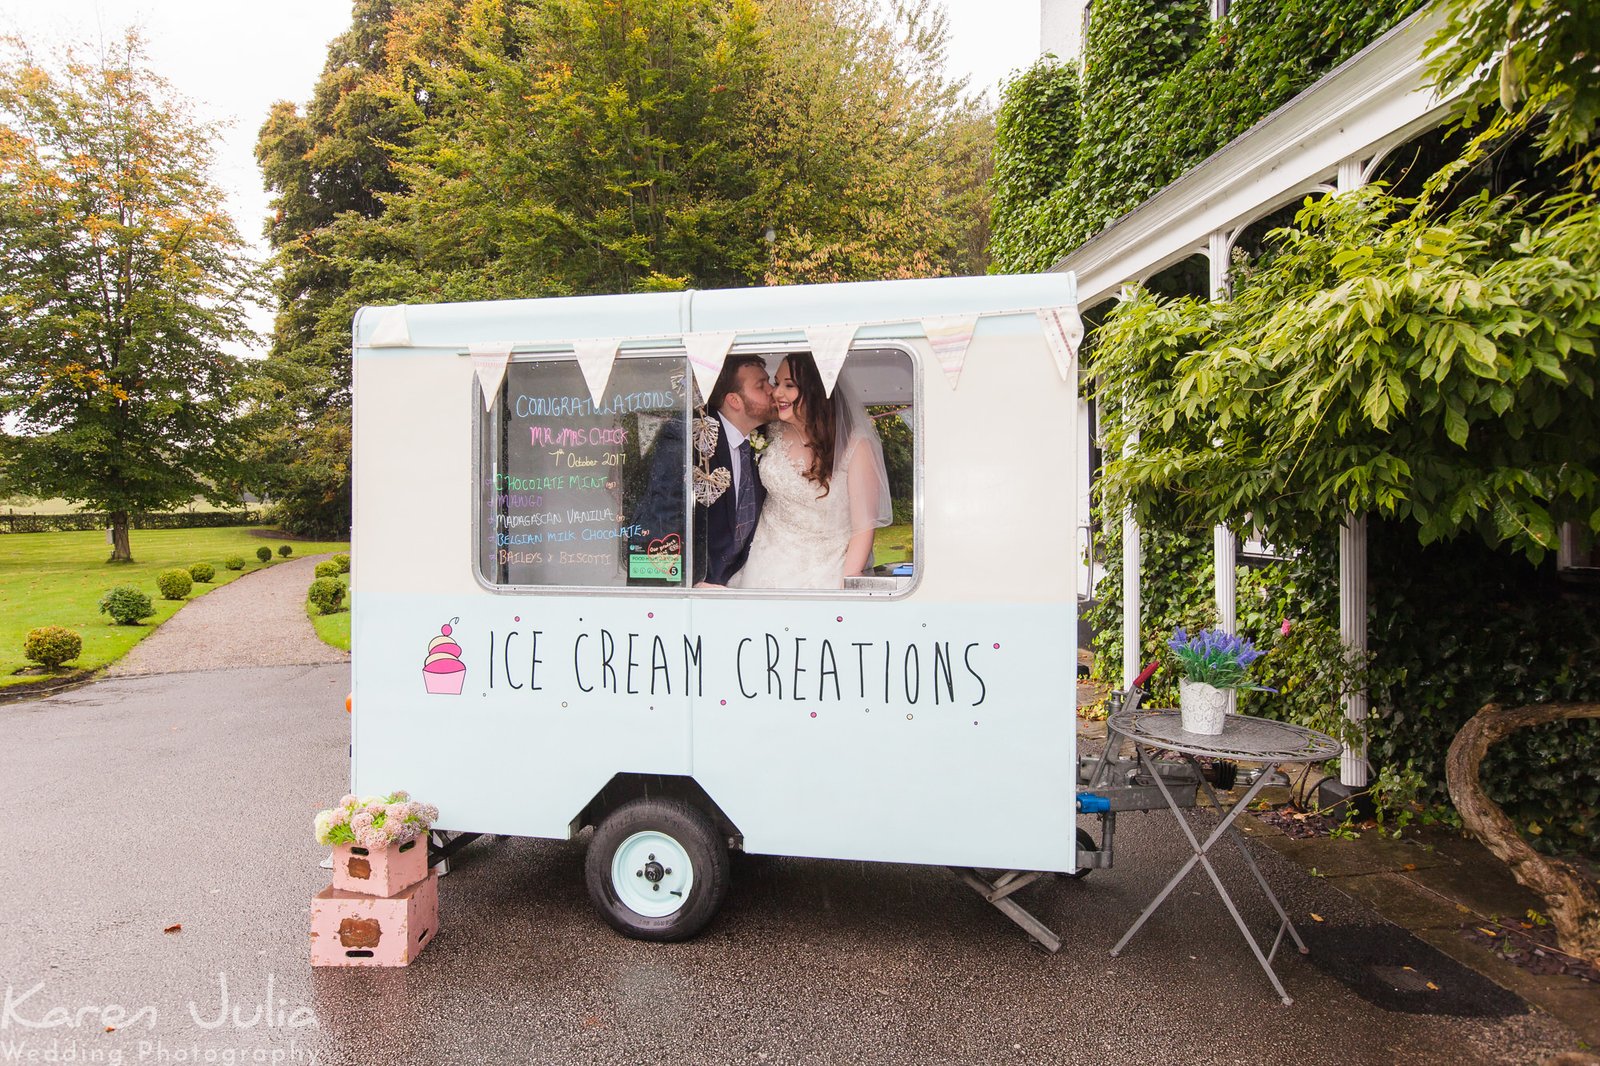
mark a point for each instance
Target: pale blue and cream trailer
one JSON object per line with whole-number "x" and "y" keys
{"x": 533, "y": 662}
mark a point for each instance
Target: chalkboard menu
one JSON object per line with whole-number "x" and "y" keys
{"x": 565, "y": 482}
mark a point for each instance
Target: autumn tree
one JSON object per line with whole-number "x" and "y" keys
{"x": 122, "y": 280}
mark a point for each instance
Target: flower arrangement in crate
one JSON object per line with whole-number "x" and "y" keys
{"x": 1213, "y": 663}
{"x": 380, "y": 844}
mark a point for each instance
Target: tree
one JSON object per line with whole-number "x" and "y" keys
{"x": 490, "y": 149}
{"x": 121, "y": 280}
{"x": 1433, "y": 366}
{"x": 873, "y": 165}
{"x": 330, "y": 162}
{"x": 1433, "y": 359}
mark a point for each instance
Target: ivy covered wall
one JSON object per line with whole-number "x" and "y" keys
{"x": 1162, "y": 88}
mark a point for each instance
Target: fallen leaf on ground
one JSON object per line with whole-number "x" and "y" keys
{"x": 1315, "y": 917}
{"x": 1487, "y": 932}
{"x": 1409, "y": 866}
{"x": 176, "y": 927}
{"x": 1433, "y": 986}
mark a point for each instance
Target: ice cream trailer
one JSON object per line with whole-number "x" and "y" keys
{"x": 532, "y": 660}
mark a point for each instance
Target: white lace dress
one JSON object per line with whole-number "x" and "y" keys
{"x": 800, "y": 540}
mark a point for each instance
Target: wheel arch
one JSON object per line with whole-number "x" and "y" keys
{"x": 627, "y": 787}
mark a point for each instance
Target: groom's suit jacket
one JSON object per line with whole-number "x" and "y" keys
{"x": 719, "y": 553}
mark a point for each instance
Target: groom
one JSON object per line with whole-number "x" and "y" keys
{"x": 727, "y": 488}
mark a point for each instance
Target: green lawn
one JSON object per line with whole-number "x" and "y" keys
{"x": 58, "y": 579}
{"x": 892, "y": 544}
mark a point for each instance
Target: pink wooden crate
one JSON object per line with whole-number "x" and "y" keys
{"x": 352, "y": 929}
{"x": 380, "y": 871}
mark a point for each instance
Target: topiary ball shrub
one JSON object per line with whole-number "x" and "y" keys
{"x": 50, "y": 646}
{"x": 203, "y": 572}
{"x": 126, "y": 605}
{"x": 344, "y": 562}
{"x": 326, "y": 594}
{"x": 264, "y": 553}
{"x": 285, "y": 551}
{"x": 328, "y": 568}
{"x": 234, "y": 562}
{"x": 174, "y": 584}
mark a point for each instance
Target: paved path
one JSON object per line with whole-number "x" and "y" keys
{"x": 258, "y": 620}
{"x": 140, "y": 804}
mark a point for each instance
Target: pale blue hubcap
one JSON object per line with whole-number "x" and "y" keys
{"x": 652, "y": 874}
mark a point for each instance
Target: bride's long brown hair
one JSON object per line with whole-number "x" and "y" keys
{"x": 816, "y": 416}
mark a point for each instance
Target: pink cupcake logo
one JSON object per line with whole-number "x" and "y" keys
{"x": 442, "y": 671}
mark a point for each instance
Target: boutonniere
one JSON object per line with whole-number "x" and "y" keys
{"x": 758, "y": 444}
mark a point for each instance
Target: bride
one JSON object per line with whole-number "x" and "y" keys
{"x": 827, "y": 488}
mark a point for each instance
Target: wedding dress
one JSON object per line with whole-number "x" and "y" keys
{"x": 800, "y": 538}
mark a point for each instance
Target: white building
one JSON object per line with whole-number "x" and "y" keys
{"x": 1061, "y": 26}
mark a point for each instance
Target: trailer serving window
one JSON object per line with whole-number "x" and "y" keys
{"x": 574, "y": 493}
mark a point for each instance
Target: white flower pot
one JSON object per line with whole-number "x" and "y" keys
{"x": 1203, "y": 707}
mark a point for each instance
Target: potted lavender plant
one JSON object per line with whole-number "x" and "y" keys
{"x": 1214, "y": 663}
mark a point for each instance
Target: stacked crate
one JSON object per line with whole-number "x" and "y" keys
{"x": 381, "y": 910}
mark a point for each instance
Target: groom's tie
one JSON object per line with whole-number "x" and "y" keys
{"x": 745, "y": 504}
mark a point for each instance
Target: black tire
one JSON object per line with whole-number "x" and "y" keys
{"x": 1085, "y": 843}
{"x": 694, "y": 837}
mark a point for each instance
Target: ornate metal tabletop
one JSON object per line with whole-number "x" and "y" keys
{"x": 1242, "y": 737}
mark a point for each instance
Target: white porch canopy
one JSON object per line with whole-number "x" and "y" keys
{"x": 1329, "y": 138}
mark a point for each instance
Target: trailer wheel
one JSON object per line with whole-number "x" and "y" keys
{"x": 1085, "y": 843}
{"x": 657, "y": 869}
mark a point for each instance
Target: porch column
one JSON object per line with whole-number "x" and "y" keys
{"x": 1132, "y": 605}
{"x": 1224, "y": 545}
{"x": 1132, "y": 573}
{"x": 1353, "y": 768}
{"x": 1354, "y": 771}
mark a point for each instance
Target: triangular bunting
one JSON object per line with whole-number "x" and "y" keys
{"x": 595, "y": 357}
{"x": 389, "y": 329}
{"x": 707, "y": 352}
{"x": 1063, "y": 332}
{"x": 950, "y": 336}
{"x": 489, "y": 361}
{"x": 830, "y": 345}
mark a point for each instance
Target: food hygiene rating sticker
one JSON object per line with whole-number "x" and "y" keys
{"x": 656, "y": 566}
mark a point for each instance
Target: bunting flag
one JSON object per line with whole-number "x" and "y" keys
{"x": 707, "y": 351}
{"x": 489, "y": 360}
{"x": 389, "y": 328}
{"x": 950, "y": 336}
{"x": 1063, "y": 332}
{"x": 830, "y": 345}
{"x": 595, "y": 358}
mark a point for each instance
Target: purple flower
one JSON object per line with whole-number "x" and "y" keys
{"x": 1213, "y": 656}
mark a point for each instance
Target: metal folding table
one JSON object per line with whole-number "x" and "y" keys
{"x": 1243, "y": 737}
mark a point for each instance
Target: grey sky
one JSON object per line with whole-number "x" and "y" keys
{"x": 234, "y": 59}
